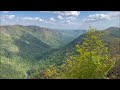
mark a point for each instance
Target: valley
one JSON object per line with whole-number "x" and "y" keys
{"x": 59, "y": 45}
{"x": 24, "y": 46}
{"x": 33, "y": 49}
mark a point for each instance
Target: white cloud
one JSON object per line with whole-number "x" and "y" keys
{"x": 66, "y": 17}
{"x": 41, "y": 20}
{"x": 60, "y": 17}
{"x": 27, "y": 18}
{"x": 64, "y": 13}
{"x": 32, "y": 19}
{"x": 68, "y": 13}
{"x": 7, "y": 17}
{"x": 37, "y": 19}
{"x": 52, "y": 19}
{"x": 69, "y": 22}
{"x": 97, "y": 17}
{"x": 101, "y": 16}
{"x": 5, "y": 11}
{"x": 71, "y": 18}
{"x": 11, "y": 16}
{"x": 114, "y": 14}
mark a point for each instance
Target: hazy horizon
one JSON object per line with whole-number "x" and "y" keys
{"x": 57, "y": 28}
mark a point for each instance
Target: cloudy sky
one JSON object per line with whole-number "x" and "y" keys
{"x": 62, "y": 19}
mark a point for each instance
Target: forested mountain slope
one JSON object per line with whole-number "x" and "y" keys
{"x": 32, "y": 48}
{"x": 21, "y": 47}
{"x": 110, "y": 37}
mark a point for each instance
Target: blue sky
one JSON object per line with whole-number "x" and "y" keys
{"x": 62, "y": 19}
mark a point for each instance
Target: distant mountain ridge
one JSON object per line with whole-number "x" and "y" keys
{"x": 53, "y": 38}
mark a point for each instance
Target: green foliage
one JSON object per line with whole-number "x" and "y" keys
{"x": 14, "y": 68}
{"x": 50, "y": 73}
{"x": 18, "y": 51}
{"x": 91, "y": 62}
{"x": 30, "y": 48}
